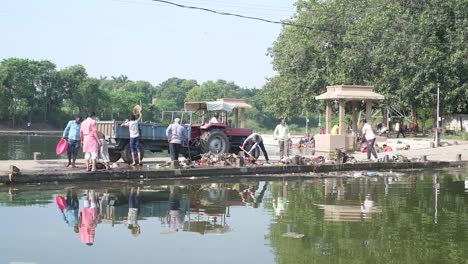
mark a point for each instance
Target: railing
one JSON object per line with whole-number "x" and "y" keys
{"x": 106, "y": 127}
{"x": 185, "y": 116}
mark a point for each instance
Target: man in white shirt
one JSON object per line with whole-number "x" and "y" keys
{"x": 176, "y": 134}
{"x": 214, "y": 119}
{"x": 281, "y": 134}
{"x": 369, "y": 137}
{"x": 399, "y": 129}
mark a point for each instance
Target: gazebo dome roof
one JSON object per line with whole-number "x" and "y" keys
{"x": 350, "y": 93}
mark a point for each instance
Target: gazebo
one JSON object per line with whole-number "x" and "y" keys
{"x": 343, "y": 94}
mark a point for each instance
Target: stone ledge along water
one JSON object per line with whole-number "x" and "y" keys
{"x": 144, "y": 173}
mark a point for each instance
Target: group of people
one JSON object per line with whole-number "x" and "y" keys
{"x": 85, "y": 221}
{"x": 84, "y": 135}
{"x": 177, "y": 134}
{"x": 281, "y": 133}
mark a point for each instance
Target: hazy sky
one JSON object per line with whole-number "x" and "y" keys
{"x": 146, "y": 40}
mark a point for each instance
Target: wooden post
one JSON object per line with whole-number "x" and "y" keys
{"x": 354, "y": 116}
{"x": 241, "y": 117}
{"x": 386, "y": 158}
{"x": 37, "y": 155}
{"x": 240, "y": 159}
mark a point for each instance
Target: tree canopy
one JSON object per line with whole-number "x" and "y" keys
{"x": 36, "y": 91}
{"x": 402, "y": 48}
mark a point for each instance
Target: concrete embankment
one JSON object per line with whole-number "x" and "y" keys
{"x": 218, "y": 172}
{"x": 36, "y": 171}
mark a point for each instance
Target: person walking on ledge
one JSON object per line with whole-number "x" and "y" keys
{"x": 176, "y": 134}
{"x": 90, "y": 141}
{"x": 399, "y": 129}
{"x": 281, "y": 134}
{"x": 72, "y": 134}
{"x": 369, "y": 137}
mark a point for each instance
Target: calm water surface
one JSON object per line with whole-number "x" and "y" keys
{"x": 418, "y": 217}
{"x": 22, "y": 147}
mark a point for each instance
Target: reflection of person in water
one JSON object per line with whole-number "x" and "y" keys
{"x": 259, "y": 193}
{"x": 175, "y": 216}
{"x": 88, "y": 218}
{"x": 280, "y": 203}
{"x": 133, "y": 207}
{"x": 367, "y": 205}
{"x": 72, "y": 209}
{"x": 247, "y": 197}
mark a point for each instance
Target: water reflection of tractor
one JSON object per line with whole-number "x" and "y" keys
{"x": 225, "y": 136}
{"x": 208, "y": 208}
{"x": 154, "y": 202}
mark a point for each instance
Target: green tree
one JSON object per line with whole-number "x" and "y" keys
{"x": 141, "y": 87}
{"x": 175, "y": 90}
{"x": 29, "y": 85}
{"x": 210, "y": 91}
{"x": 402, "y": 48}
{"x": 123, "y": 102}
{"x": 93, "y": 98}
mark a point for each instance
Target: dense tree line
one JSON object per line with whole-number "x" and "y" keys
{"x": 38, "y": 92}
{"x": 403, "y": 48}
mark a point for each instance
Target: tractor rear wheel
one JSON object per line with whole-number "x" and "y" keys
{"x": 127, "y": 154}
{"x": 214, "y": 141}
{"x": 114, "y": 155}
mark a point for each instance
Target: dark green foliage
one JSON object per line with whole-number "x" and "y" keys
{"x": 402, "y": 48}
{"x": 35, "y": 91}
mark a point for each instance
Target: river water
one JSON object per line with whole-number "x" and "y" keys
{"x": 414, "y": 217}
{"x": 22, "y": 147}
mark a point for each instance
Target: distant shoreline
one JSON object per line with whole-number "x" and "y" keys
{"x": 31, "y": 132}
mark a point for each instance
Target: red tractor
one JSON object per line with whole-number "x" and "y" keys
{"x": 224, "y": 136}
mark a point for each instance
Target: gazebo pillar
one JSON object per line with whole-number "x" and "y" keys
{"x": 241, "y": 118}
{"x": 354, "y": 116}
{"x": 341, "y": 115}
{"x": 328, "y": 116}
{"x": 368, "y": 110}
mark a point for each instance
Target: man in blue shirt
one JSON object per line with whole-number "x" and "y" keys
{"x": 72, "y": 133}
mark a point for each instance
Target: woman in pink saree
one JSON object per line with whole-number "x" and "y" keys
{"x": 90, "y": 141}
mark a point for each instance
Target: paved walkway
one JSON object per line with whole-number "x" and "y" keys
{"x": 418, "y": 148}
